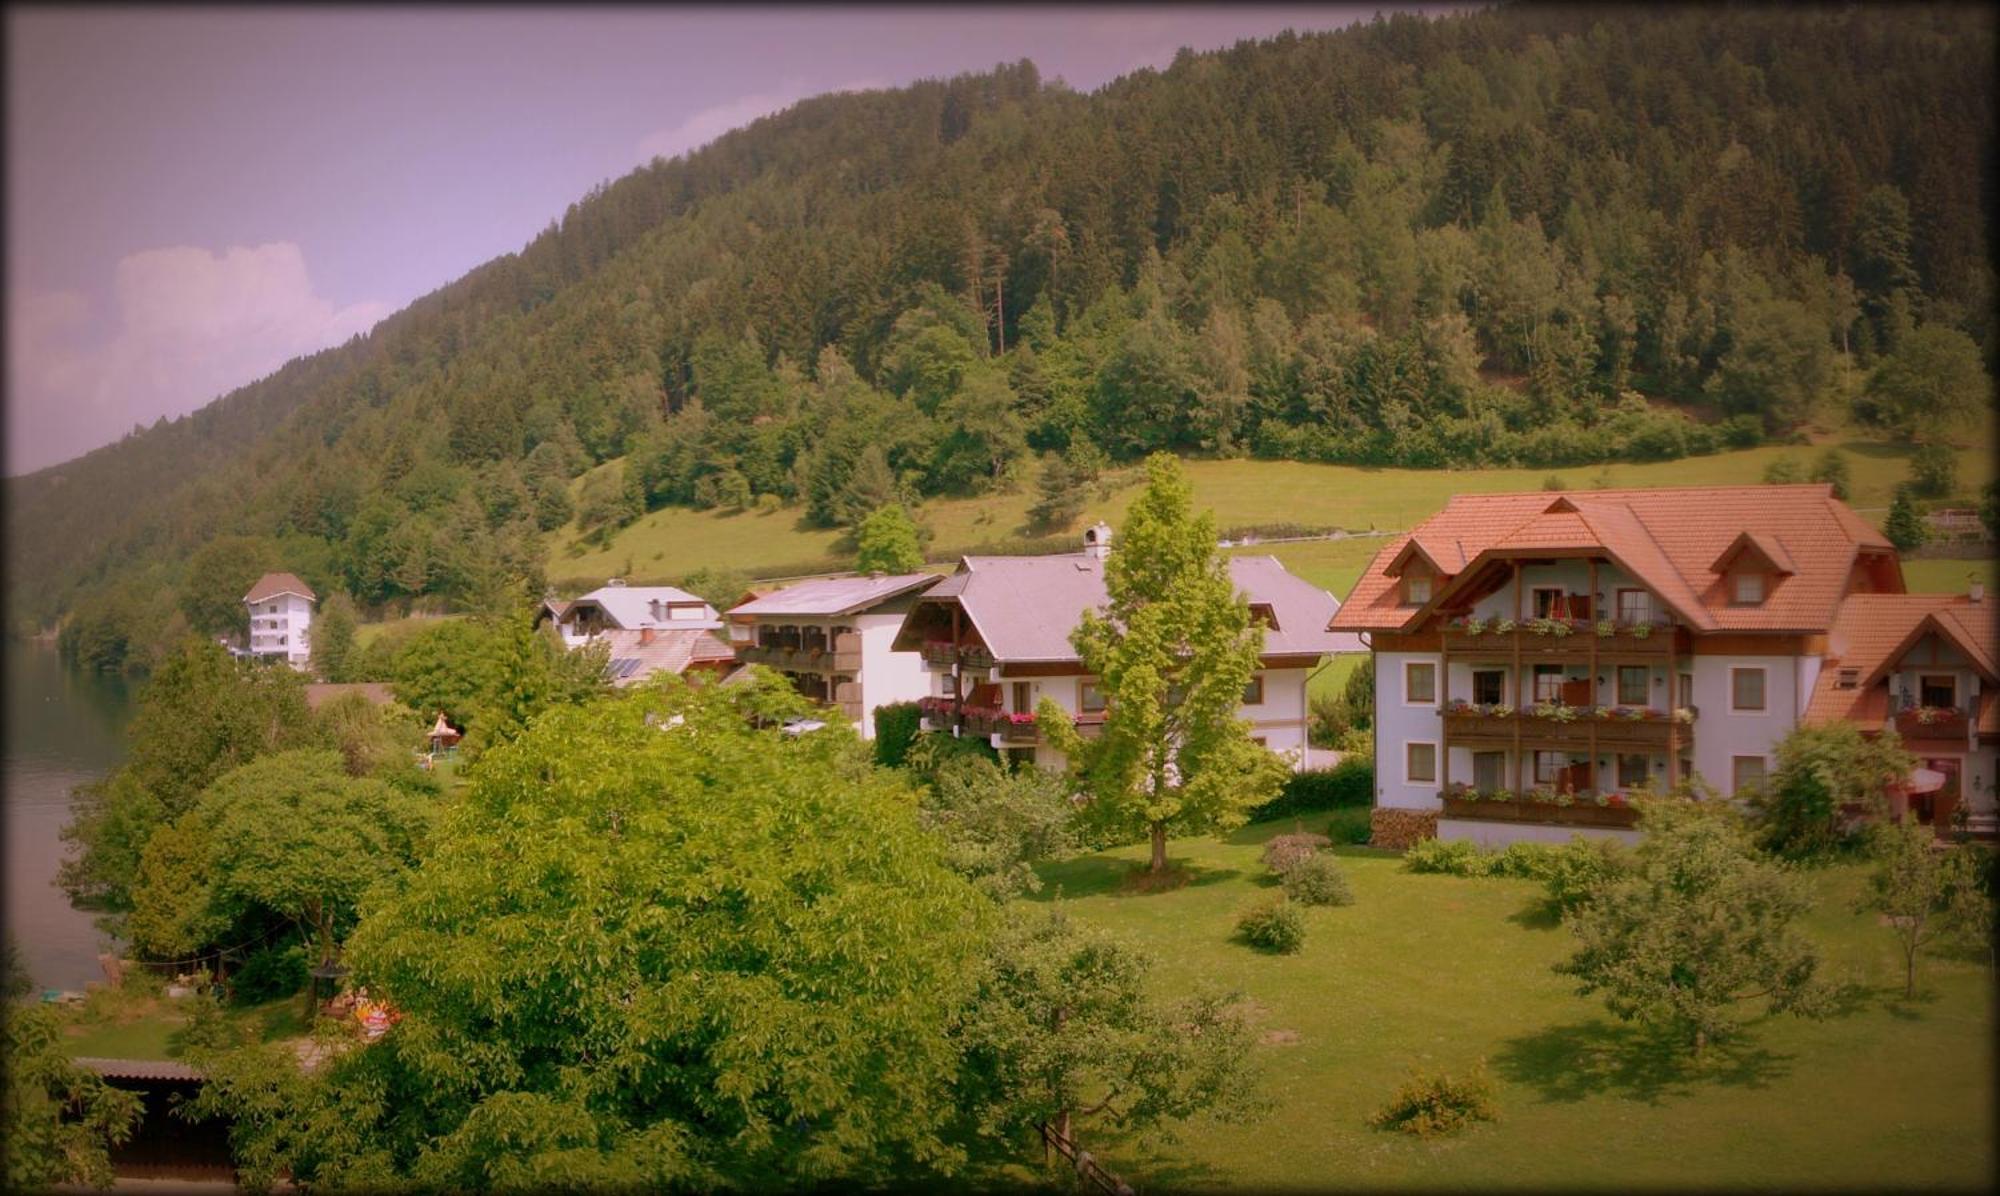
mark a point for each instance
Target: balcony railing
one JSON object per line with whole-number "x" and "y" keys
{"x": 943, "y": 653}
{"x": 1932, "y": 722}
{"x": 1585, "y": 808}
{"x": 1560, "y": 639}
{"x": 1012, "y": 729}
{"x": 845, "y": 656}
{"x": 1550, "y": 724}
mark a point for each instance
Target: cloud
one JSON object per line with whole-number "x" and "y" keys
{"x": 712, "y": 122}
{"x": 186, "y": 326}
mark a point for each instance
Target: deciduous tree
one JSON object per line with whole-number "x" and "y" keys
{"x": 1174, "y": 649}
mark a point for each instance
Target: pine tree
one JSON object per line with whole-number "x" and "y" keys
{"x": 1175, "y": 650}
{"x": 1904, "y": 527}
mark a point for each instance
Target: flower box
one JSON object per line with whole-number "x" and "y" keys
{"x": 1583, "y": 811}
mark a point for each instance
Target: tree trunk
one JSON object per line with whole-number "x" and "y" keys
{"x": 1159, "y": 834}
{"x": 1700, "y": 1043}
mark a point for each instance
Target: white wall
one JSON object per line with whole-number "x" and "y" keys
{"x": 1397, "y": 723}
{"x": 1721, "y": 733}
{"x": 291, "y": 637}
{"x": 886, "y": 677}
{"x": 1499, "y": 834}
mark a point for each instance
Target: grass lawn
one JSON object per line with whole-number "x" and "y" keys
{"x": 1444, "y": 971}
{"x": 139, "y": 1025}
{"x": 666, "y": 544}
{"x": 1947, "y": 576}
{"x": 368, "y": 633}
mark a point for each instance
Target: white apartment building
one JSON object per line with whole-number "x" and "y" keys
{"x": 835, "y": 638}
{"x": 994, "y": 639}
{"x": 281, "y": 613}
{"x": 1537, "y": 656}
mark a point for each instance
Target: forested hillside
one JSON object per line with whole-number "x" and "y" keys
{"x": 1530, "y": 237}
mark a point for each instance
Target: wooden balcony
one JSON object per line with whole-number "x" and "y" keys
{"x": 1933, "y": 724}
{"x": 843, "y": 657}
{"x": 942, "y": 654}
{"x": 1543, "y": 640}
{"x": 1579, "y": 727}
{"x": 1583, "y": 810}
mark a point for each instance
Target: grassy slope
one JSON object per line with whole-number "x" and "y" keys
{"x": 671, "y": 542}
{"x": 1442, "y": 971}
{"x": 140, "y": 1026}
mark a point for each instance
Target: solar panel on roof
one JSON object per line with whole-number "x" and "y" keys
{"x": 623, "y": 667}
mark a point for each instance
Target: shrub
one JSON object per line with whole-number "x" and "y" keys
{"x": 1317, "y": 880}
{"x": 896, "y": 729}
{"x": 1352, "y": 825}
{"x": 1573, "y": 872}
{"x": 1934, "y": 470}
{"x": 1742, "y": 431}
{"x": 1428, "y": 1105}
{"x": 1282, "y": 852}
{"x": 1459, "y": 857}
{"x": 1348, "y": 783}
{"x": 1275, "y": 925}
{"x": 269, "y": 974}
{"x": 1528, "y": 861}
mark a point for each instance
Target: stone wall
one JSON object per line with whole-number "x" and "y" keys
{"x": 1397, "y": 829}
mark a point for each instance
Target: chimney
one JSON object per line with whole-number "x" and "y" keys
{"x": 1097, "y": 540}
{"x": 645, "y": 636}
{"x": 1976, "y": 591}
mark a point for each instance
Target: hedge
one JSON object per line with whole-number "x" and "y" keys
{"x": 1348, "y": 783}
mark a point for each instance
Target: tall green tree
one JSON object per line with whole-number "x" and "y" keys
{"x": 1904, "y": 526}
{"x": 1930, "y": 386}
{"x": 218, "y": 575}
{"x": 333, "y": 637}
{"x": 886, "y": 542}
{"x": 1911, "y": 888}
{"x": 1174, "y": 649}
{"x": 718, "y": 956}
{"x": 1824, "y": 775}
{"x": 1702, "y": 926}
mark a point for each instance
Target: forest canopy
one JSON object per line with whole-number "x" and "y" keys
{"x": 1524, "y": 236}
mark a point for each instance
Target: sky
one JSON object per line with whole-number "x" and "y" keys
{"x": 196, "y": 196}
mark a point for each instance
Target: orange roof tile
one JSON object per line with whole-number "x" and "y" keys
{"x": 1667, "y": 537}
{"x": 1874, "y": 630}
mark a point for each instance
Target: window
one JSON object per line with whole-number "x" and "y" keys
{"x": 1635, "y": 606}
{"x": 1632, "y": 771}
{"x": 1747, "y": 589}
{"x": 1545, "y": 599}
{"x": 1416, "y": 589}
{"x": 1548, "y": 682}
{"x": 1420, "y": 763}
{"x": 1253, "y": 693}
{"x": 1549, "y": 765}
{"x": 1632, "y": 684}
{"x": 1260, "y": 741}
{"x": 950, "y": 681}
{"x": 1746, "y": 773}
{"x": 1687, "y": 688}
{"x": 1937, "y": 689}
{"x": 1089, "y": 698}
{"x": 1746, "y": 689}
{"x": 1489, "y": 771}
{"x": 1489, "y": 686}
{"x": 1267, "y": 614}
{"x": 1419, "y": 683}
{"x": 1024, "y": 699}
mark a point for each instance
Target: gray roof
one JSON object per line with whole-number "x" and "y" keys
{"x": 834, "y": 595}
{"x": 1024, "y": 607}
{"x": 631, "y": 606}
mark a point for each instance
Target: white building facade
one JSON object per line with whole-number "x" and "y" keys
{"x": 280, "y": 607}
{"x": 835, "y": 638}
{"x": 1539, "y": 657}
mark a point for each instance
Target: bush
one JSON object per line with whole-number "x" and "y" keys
{"x": 269, "y": 974}
{"x": 1283, "y": 852}
{"x": 1573, "y": 872}
{"x": 1528, "y": 861}
{"x": 1317, "y": 880}
{"x": 1742, "y": 431}
{"x": 1934, "y": 470}
{"x": 1348, "y": 783}
{"x": 1459, "y": 857}
{"x": 1428, "y": 1105}
{"x": 1275, "y": 925}
{"x": 896, "y": 728}
{"x": 1351, "y": 825}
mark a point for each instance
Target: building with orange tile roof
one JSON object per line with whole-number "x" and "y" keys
{"x": 1564, "y": 648}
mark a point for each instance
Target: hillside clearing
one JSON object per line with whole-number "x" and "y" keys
{"x": 665, "y": 545}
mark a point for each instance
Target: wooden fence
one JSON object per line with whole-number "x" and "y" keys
{"x": 1088, "y": 1169}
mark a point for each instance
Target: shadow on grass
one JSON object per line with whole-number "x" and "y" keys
{"x": 1570, "y": 1063}
{"x": 1539, "y": 914}
{"x": 1872, "y": 448}
{"x": 1100, "y": 875}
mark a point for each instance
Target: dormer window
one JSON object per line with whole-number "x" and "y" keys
{"x": 1937, "y": 689}
{"x": 1747, "y": 589}
{"x": 1847, "y": 679}
{"x": 1262, "y": 612}
{"x": 1416, "y": 589}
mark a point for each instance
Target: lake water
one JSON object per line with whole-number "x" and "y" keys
{"x": 64, "y": 728}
